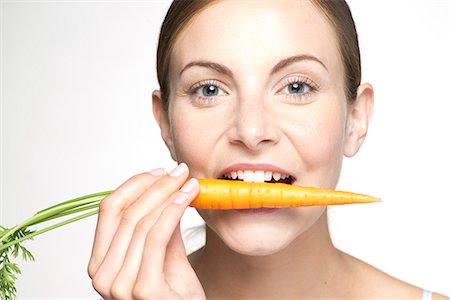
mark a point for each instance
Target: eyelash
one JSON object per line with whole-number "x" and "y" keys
{"x": 311, "y": 85}
{"x": 300, "y": 98}
{"x": 202, "y": 99}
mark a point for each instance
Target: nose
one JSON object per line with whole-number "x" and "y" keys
{"x": 254, "y": 126}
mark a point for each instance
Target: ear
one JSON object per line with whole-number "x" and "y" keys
{"x": 162, "y": 118}
{"x": 358, "y": 118}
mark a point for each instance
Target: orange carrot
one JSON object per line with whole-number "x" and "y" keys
{"x": 228, "y": 194}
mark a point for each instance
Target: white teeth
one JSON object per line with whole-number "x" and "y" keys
{"x": 249, "y": 176}
{"x": 276, "y": 176}
{"x": 259, "y": 176}
{"x": 255, "y": 176}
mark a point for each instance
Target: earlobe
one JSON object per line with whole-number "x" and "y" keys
{"x": 162, "y": 118}
{"x": 358, "y": 118}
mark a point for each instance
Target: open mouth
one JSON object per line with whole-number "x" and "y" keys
{"x": 259, "y": 176}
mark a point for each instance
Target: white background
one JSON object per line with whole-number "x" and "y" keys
{"x": 76, "y": 83}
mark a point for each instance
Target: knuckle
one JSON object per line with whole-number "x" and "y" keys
{"x": 110, "y": 203}
{"x": 169, "y": 210}
{"x": 91, "y": 270}
{"x": 135, "y": 182}
{"x": 139, "y": 293}
{"x": 106, "y": 204}
{"x": 100, "y": 285}
{"x": 139, "y": 178}
{"x": 143, "y": 226}
{"x": 156, "y": 238}
{"x": 120, "y": 291}
{"x": 146, "y": 291}
{"x": 130, "y": 215}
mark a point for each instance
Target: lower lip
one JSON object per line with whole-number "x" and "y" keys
{"x": 258, "y": 211}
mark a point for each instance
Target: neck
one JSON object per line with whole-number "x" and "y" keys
{"x": 307, "y": 268}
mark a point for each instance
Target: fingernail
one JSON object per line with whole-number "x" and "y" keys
{"x": 179, "y": 170}
{"x": 158, "y": 172}
{"x": 190, "y": 185}
{"x": 180, "y": 198}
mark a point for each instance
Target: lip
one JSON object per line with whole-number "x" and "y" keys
{"x": 255, "y": 167}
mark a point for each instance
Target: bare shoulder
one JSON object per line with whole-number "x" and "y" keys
{"x": 376, "y": 284}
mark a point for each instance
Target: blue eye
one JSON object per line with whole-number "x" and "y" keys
{"x": 209, "y": 90}
{"x": 297, "y": 88}
{"x": 206, "y": 92}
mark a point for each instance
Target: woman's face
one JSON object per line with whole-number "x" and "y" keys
{"x": 258, "y": 86}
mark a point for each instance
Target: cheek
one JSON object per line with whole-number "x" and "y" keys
{"x": 193, "y": 140}
{"x": 326, "y": 137}
{"x": 184, "y": 133}
{"x": 319, "y": 142}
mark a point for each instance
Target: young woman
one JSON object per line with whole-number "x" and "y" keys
{"x": 246, "y": 88}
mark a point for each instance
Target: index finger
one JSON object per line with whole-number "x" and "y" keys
{"x": 110, "y": 210}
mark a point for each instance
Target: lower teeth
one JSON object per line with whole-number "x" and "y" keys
{"x": 287, "y": 180}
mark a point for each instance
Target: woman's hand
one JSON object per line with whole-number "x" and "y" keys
{"x": 138, "y": 252}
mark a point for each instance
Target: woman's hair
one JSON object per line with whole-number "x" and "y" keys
{"x": 181, "y": 13}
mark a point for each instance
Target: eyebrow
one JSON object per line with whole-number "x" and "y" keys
{"x": 292, "y": 59}
{"x": 208, "y": 64}
{"x": 279, "y": 66}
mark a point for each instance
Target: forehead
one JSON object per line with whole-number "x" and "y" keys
{"x": 251, "y": 35}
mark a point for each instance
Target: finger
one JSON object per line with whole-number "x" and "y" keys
{"x": 156, "y": 242}
{"x": 150, "y": 203}
{"x": 126, "y": 278}
{"x": 178, "y": 266}
{"x": 123, "y": 283}
{"x": 175, "y": 248}
{"x": 110, "y": 210}
{"x": 159, "y": 192}
{"x": 122, "y": 286}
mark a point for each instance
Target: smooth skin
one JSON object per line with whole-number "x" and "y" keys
{"x": 296, "y": 118}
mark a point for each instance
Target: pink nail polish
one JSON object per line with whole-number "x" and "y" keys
{"x": 158, "y": 172}
{"x": 180, "y": 198}
{"x": 190, "y": 185}
{"x": 179, "y": 170}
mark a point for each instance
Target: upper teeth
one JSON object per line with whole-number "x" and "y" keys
{"x": 255, "y": 176}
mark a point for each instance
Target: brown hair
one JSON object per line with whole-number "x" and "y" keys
{"x": 181, "y": 13}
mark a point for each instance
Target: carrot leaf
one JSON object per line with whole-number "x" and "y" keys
{"x": 11, "y": 239}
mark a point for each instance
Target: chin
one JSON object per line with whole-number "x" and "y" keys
{"x": 257, "y": 234}
{"x": 258, "y": 241}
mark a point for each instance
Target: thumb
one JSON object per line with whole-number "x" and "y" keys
{"x": 175, "y": 247}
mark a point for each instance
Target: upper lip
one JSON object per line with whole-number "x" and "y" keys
{"x": 255, "y": 167}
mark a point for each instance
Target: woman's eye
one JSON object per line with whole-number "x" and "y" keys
{"x": 206, "y": 93}
{"x": 209, "y": 91}
{"x": 297, "y": 88}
